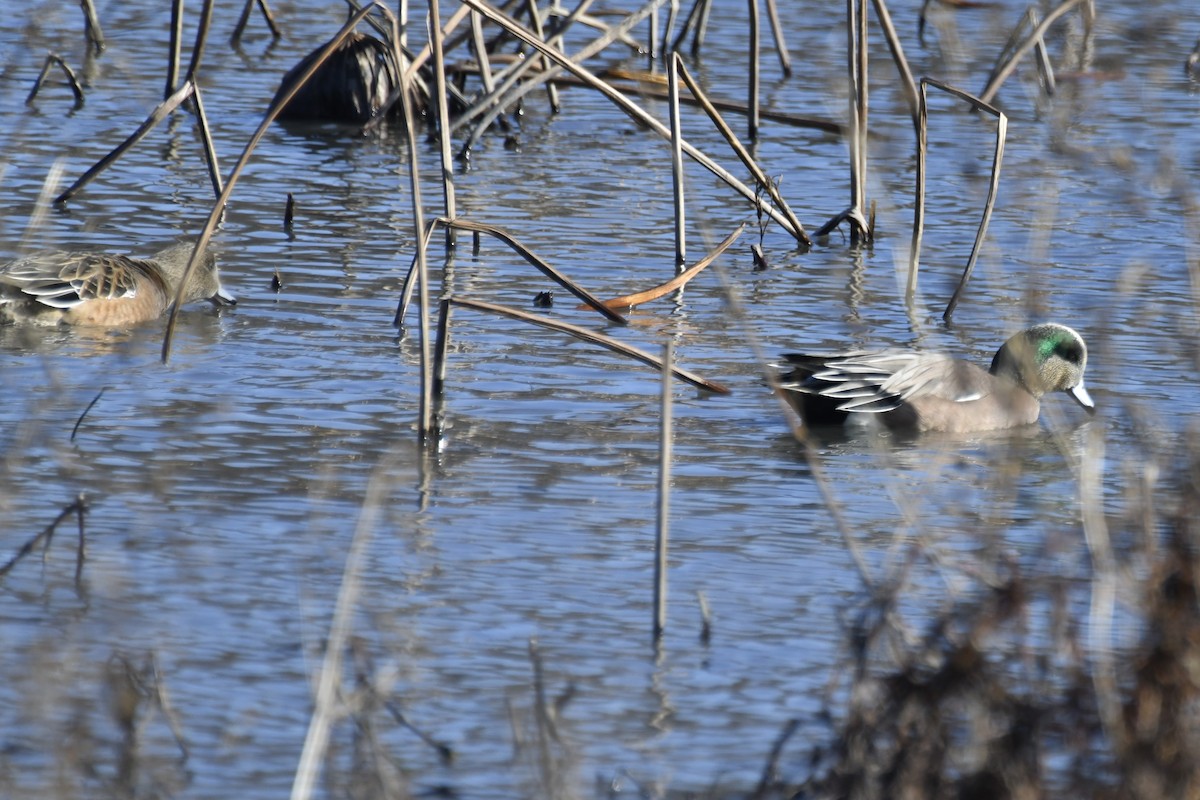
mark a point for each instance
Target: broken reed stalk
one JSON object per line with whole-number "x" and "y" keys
{"x": 479, "y": 48}
{"x": 485, "y": 109}
{"x": 91, "y": 26}
{"x": 532, "y": 258}
{"x": 918, "y": 229}
{"x": 907, "y": 84}
{"x": 173, "y": 49}
{"x": 160, "y": 112}
{"x": 188, "y": 90}
{"x": 419, "y": 60}
{"x": 625, "y": 104}
{"x": 672, "y": 14}
{"x": 752, "y": 98}
{"x": 989, "y": 204}
{"x": 591, "y": 337}
{"x": 72, "y": 80}
{"x": 535, "y": 19}
{"x": 647, "y": 90}
{"x": 662, "y": 529}
{"x": 79, "y": 508}
{"x": 760, "y": 177}
{"x": 244, "y": 20}
{"x": 206, "y": 12}
{"x": 678, "y": 282}
{"x": 439, "y": 361}
{"x": 919, "y": 205}
{"x": 859, "y": 107}
{"x": 652, "y": 45}
{"x": 440, "y": 102}
{"x": 677, "y": 186}
{"x": 219, "y": 206}
{"x": 856, "y": 129}
{"x": 705, "y": 618}
{"x": 785, "y": 59}
{"x": 689, "y": 23}
{"x": 425, "y": 405}
{"x": 701, "y": 26}
{"x": 492, "y": 102}
{"x": 1001, "y": 73}
{"x": 79, "y": 421}
{"x": 1045, "y": 67}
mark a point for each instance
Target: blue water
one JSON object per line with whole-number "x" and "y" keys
{"x": 225, "y": 487}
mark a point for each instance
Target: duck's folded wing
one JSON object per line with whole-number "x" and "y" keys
{"x": 64, "y": 280}
{"x": 941, "y": 377}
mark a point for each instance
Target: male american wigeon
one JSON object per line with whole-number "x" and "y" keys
{"x": 100, "y": 289}
{"x": 934, "y": 392}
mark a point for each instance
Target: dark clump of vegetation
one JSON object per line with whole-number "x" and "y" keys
{"x": 1018, "y": 691}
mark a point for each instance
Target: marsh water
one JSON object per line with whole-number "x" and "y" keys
{"x": 225, "y": 487}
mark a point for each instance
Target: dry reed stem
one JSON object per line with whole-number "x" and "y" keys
{"x": 244, "y": 20}
{"x": 705, "y": 618}
{"x": 753, "y": 89}
{"x": 856, "y": 129}
{"x": 677, "y": 177}
{"x": 647, "y": 89}
{"x": 918, "y": 227}
{"x": 425, "y": 405}
{"x": 176, "y": 31}
{"x": 219, "y": 206}
{"x": 188, "y": 89}
{"x": 479, "y": 48}
{"x": 490, "y": 103}
{"x": 42, "y": 206}
{"x": 672, "y": 15}
{"x": 799, "y": 431}
{"x": 206, "y": 140}
{"x": 79, "y": 507}
{"x": 91, "y": 26}
{"x": 532, "y": 258}
{"x": 591, "y": 337}
{"x": 327, "y": 703}
{"x": 206, "y": 12}
{"x": 1042, "y": 54}
{"x": 760, "y": 176}
{"x": 418, "y": 60}
{"x": 535, "y": 19}
{"x": 663, "y": 526}
{"x": 859, "y": 109}
{"x": 907, "y": 84}
{"x": 160, "y": 112}
{"x": 701, "y": 26}
{"x": 440, "y": 350}
{"x": 487, "y": 108}
{"x": 919, "y": 205}
{"x": 72, "y": 81}
{"x": 79, "y": 421}
{"x": 443, "y": 123}
{"x": 679, "y": 281}
{"x": 785, "y": 59}
{"x": 624, "y": 103}
{"x": 1001, "y": 73}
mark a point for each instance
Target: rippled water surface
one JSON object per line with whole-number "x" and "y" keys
{"x": 224, "y": 488}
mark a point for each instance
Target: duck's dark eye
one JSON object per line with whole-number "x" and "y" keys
{"x": 1069, "y": 351}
